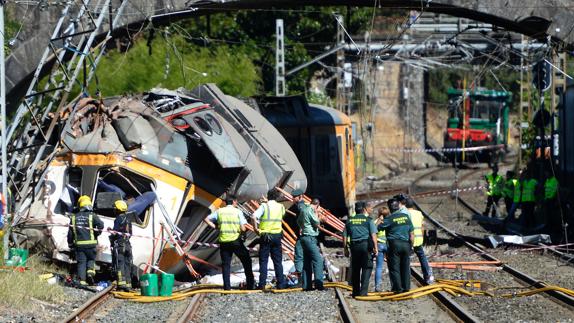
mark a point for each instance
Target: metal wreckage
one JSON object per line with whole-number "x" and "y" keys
{"x": 173, "y": 155}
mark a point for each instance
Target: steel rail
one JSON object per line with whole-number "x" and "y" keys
{"x": 454, "y": 309}
{"x": 344, "y": 308}
{"x": 191, "y": 309}
{"x": 563, "y": 299}
{"x": 569, "y": 258}
{"x": 90, "y": 306}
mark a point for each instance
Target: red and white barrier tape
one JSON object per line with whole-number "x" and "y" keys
{"x": 428, "y": 150}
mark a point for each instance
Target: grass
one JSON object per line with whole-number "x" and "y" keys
{"x": 18, "y": 289}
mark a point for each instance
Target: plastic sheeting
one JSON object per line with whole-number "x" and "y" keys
{"x": 497, "y": 240}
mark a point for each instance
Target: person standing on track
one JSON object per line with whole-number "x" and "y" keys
{"x": 121, "y": 246}
{"x": 308, "y": 223}
{"x": 510, "y": 185}
{"x": 270, "y": 230}
{"x": 417, "y": 219}
{"x": 494, "y": 184}
{"x": 399, "y": 231}
{"x": 361, "y": 234}
{"x": 230, "y": 222}
{"x": 381, "y": 248}
{"x": 85, "y": 227}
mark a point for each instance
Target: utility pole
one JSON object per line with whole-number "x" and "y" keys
{"x": 524, "y": 103}
{"x": 341, "y": 97}
{"x": 3, "y": 126}
{"x": 279, "y": 59}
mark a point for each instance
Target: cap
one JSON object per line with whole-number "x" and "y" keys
{"x": 297, "y": 192}
{"x": 121, "y": 206}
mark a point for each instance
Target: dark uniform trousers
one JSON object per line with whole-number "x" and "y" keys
{"x": 271, "y": 244}
{"x": 361, "y": 267}
{"x": 492, "y": 204}
{"x": 86, "y": 258}
{"x": 399, "y": 265}
{"x": 123, "y": 254}
{"x": 226, "y": 250}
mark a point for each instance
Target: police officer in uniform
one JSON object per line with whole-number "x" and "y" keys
{"x": 508, "y": 191}
{"x": 121, "y": 246}
{"x": 308, "y": 223}
{"x": 85, "y": 227}
{"x": 399, "y": 231}
{"x": 230, "y": 222}
{"x": 361, "y": 234}
{"x": 270, "y": 216}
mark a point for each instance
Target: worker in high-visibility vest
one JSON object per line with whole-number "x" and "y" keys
{"x": 270, "y": 230}
{"x": 510, "y": 185}
{"x": 495, "y": 185}
{"x": 230, "y": 222}
{"x": 528, "y": 200}
{"x": 417, "y": 219}
{"x": 517, "y": 196}
{"x": 85, "y": 227}
{"x": 382, "y": 248}
{"x": 122, "y": 257}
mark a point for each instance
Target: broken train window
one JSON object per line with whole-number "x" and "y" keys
{"x": 115, "y": 183}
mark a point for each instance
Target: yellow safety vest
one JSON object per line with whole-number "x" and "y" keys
{"x": 550, "y": 188}
{"x": 417, "y": 220}
{"x": 494, "y": 184}
{"x": 273, "y": 213}
{"x": 528, "y": 188}
{"x": 381, "y": 236}
{"x": 228, "y": 224}
{"x": 517, "y": 191}
{"x": 92, "y": 239}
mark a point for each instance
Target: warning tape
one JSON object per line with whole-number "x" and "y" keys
{"x": 437, "y": 193}
{"x": 197, "y": 243}
{"x": 428, "y": 150}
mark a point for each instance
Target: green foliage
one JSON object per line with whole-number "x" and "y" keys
{"x": 176, "y": 63}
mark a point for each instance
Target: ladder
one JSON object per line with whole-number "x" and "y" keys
{"x": 72, "y": 49}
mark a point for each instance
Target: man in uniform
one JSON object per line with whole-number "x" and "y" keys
{"x": 494, "y": 184}
{"x": 361, "y": 234}
{"x": 312, "y": 260}
{"x": 270, "y": 216}
{"x": 417, "y": 219}
{"x": 551, "y": 206}
{"x": 85, "y": 227}
{"x": 230, "y": 222}
{"x": 508, "y": 191}
{"x": 121, "y": 246}
{"x": 399, "y": 231}
{"x": 528, "y": 199}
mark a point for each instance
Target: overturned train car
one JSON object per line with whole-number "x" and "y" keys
{"x": 173, "y": 155}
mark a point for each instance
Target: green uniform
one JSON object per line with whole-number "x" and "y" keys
{"x": 398, "y": 227}
{"x": 495, "y": 184}
{"x": 312, "y": 259}
{"x": 358, "y": 230}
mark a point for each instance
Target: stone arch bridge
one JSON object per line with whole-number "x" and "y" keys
{"x": 543, "y": 19}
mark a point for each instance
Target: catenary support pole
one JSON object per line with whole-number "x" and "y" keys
{"x": 3, "y": 124}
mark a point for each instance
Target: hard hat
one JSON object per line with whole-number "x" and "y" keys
{"x": 84, "y": 200}
{"x": 121, "y": 206}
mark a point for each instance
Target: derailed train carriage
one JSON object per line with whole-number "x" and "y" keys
{"x": 187, "y": 148}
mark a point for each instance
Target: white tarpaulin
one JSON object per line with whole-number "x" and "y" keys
{"x": 497, "y": 240}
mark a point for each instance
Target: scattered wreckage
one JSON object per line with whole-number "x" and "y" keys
{"x": 173, "y": 155}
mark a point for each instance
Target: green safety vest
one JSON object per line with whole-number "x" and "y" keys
{"x": 494, "y": 184}
{"x": 550, "y": 188}
{"x": 517, "y": 191}
{"x": 92, "y": 239}
{"x": 509, "y": 185}
{"x": 528, "y": 190}
{"x": 228, "y": 224}
{"x": 417, "y": 220}
{"x": 272, "y": 217}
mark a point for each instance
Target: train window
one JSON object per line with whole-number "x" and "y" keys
{"x": 203, "y": 125}
{"x": 347, "y": 142}
{"x": 120, "y": 183}
{"x": 75, "y": 177}
{"x": 323, "y": 155}
{"x": 213, "y": 123}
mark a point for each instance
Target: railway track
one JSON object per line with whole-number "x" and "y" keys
{"x": 91, "y": 305}
{"x": 556, "y": 296}
{"x": 192, "y": 309}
